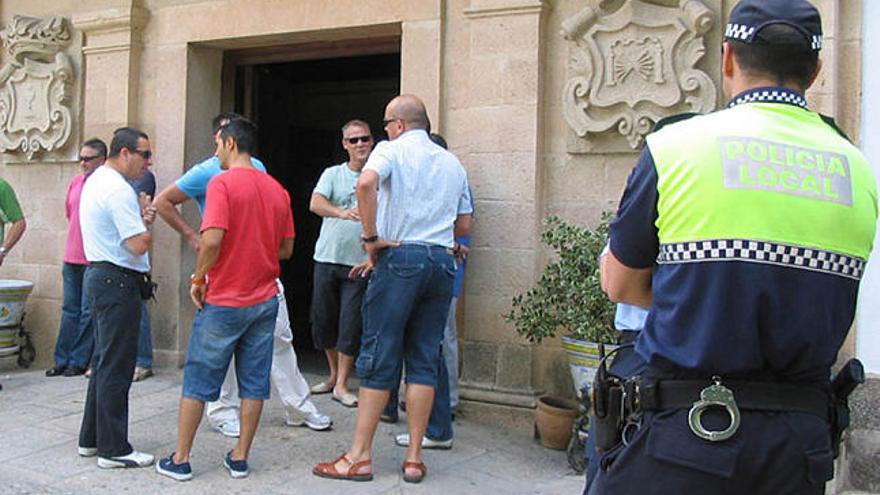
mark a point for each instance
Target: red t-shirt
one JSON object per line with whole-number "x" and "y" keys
{"x": 254, "y": 210}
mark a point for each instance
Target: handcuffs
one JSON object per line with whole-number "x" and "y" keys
{"x": 715, "y": 395}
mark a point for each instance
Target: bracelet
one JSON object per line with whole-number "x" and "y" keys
{"x": 4, "y": 250}
{"x": 371, "y": 239}
{"x": 197, "y": 282}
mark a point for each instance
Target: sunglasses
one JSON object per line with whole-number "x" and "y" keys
{"x": 88, "y": 158}
{"x": 145, "y": 154}
{"x": 385, "y": 122}
{"x": 358, "y": 139}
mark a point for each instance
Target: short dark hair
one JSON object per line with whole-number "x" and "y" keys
{"x": 438, "y": 140}
{"x": 356, "y": 122}
{"x": 243, "y": 131}
{"x": 780, "y": 52}
{"x": 125, "y": 137}
{"x": 221, "y": 117}
{"x": 97, "y": 145}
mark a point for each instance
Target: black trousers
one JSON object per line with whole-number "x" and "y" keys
{"x": 336, "y": 309}
{"x": 116, "y": 311}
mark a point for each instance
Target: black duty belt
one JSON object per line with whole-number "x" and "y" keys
{"x": 655, "y": 395}
{"x": 121, "y": 269}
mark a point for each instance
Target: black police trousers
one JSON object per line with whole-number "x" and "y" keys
{"x": 772, "y": 453}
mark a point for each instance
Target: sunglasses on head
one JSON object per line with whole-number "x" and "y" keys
{"x": 88, "y": 158}
{"x": 357, "y": 139}
{"x": 145, "y": 154}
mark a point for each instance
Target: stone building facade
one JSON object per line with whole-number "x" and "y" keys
{"x": 545, "y": 102}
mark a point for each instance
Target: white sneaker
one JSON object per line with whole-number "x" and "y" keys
{"x": 230, "y": 429}
{"x": 315, "y": 421}
{"x": 135, "y": 459}
{"x": 87, "y": 451}
{"x": 427, "y": 443}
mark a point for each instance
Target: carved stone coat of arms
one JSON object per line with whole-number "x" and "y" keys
{"x": 633, "y": 62}
{"x": 35, "y": 86}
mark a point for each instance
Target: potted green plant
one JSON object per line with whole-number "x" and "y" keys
{"x": 568, "y": 298}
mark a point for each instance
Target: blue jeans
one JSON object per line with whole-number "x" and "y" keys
{"x": 450, "y": 352}
{"x": 440, "y": 421}
{"x": 75, "y": 337}
{"x": 404, "y": 313}
{"x": 446, "y": 393}
{"x": 218, "y": 333}
{"x": 145, "y": 339}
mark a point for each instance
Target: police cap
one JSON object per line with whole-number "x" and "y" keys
{"x": 749, "y": 17}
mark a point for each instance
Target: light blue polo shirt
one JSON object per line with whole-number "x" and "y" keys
{"x": 194, "y": 183}
{"x": 422, "y": 190}
{"x": 340, "y": 238}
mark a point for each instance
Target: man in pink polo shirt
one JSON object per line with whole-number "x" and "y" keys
{"x": 247, "y": 227}
{"x": 73, "y": 348}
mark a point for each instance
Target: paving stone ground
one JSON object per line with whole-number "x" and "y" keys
{"x": 40, "y": 417}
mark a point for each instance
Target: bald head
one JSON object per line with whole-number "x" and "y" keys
{"x": 410, "y": 109}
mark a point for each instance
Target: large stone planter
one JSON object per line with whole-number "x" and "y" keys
{"x": 583, "y": 360}
{"x": 13, "y": 295}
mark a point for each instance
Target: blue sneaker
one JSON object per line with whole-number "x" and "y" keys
{"x": 179, "y": 472}
{"x": 237, "y": 469}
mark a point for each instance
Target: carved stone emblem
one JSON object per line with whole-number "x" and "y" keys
{"x": 632, "y": 62}
{"x": 35, "y": 86}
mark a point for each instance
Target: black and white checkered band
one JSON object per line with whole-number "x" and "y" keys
{"x": 774, "y": 95}
{"x": 739, "y": 32}
{"x": 772, "y": 253}
{"x": 745, "y": 33}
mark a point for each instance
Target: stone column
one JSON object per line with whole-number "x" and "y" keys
{"x": 111, "y": 52}
{"x": 504, "y": 115}
{"x": 421, "y": 45}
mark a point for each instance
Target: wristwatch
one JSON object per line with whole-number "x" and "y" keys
{"x": 4, "y": 250}
{"x": 368, "y": 240}
{"x": 197, "y": 282}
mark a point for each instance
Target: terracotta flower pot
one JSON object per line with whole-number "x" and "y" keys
{"x": 554, "y": 417}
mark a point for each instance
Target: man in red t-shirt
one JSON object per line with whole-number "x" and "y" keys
{"x": 247, "y": 227}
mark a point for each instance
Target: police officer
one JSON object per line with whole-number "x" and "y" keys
{"x": 747, "y": 230}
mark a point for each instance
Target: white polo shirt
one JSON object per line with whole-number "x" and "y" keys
{"x": 422, "y": 189}
{"x": 109, "y": 214}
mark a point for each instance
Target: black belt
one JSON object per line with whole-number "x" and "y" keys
{"x": 655, "y": 395}
{"x": 122, "y": 269}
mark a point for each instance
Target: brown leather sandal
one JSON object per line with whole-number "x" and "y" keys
{"x": 328, "y": 470}
{"x": 414, "y": 465}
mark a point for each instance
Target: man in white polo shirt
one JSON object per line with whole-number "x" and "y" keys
{"x": 116, "y": 240}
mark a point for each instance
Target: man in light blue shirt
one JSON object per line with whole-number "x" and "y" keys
{"x": 629, "y": 320}
{"x": 223, "y": 414}
{"x": 336, "y": 297}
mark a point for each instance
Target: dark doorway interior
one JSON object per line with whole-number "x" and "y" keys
{"x": 299, "y": 108}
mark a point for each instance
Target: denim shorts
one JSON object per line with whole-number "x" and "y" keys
{"x": 404, "y": 311}
{"x": 218, "y": 333}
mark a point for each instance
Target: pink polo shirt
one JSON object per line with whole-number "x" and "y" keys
{"x": 73, "y": 251}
